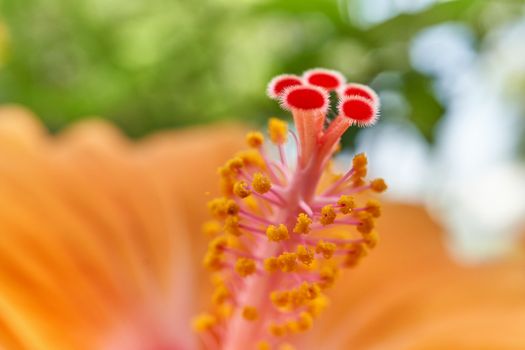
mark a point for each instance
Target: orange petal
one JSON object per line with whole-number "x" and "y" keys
{"x": 409, "y": 295}
{"x": 20, "y": 130}
{"x": 95, "y": 243}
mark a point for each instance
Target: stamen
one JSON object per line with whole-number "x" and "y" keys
{"x": 327, "y": 249}
{"x": 287, "y": 261}
{"x": 305, "y": 255}
{"x": 232, "y": 225}
{"x": 271, "y": 264}
{"x": 254, "y": 139}
{"x": 278, "y": 233}
{"x": 327, "y": 215}
{"x": 245, "y": 267}
{"x": 346, "y": 204}
{"x": 303, "y": 224}
{"x": 240, "y": 188}
{"x": 278, "y": 130}
{"x": 270, "y": 243}
{"x": 378, "y": 185}
{"x": 250, "y": 313}
{"x": 261, "y": 183}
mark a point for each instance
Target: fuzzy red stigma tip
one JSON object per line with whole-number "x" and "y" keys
{"x": 280, "y": 83}
{"x": 325, "y": 78}
{"x": 359, "y": 109}
{"x": 354, "y": 89}
{"x": 304, "y": 98}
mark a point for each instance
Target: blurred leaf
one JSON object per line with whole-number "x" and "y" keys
{"x": 425, "y": 110}
{"x": 405, "y": 26}
{"x": 329, "y": 8}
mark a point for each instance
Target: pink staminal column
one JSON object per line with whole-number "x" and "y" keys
{"x": 274, "y": 256}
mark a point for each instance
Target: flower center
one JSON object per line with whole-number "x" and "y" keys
{"x": 281, "y": 231}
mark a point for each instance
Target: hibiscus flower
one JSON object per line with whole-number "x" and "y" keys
{"x": 101, "y": 248}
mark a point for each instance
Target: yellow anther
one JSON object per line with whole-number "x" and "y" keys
{"x": 211, "y": 228}
{"x": 254, "y": 139}
{"x": 305, "y": 255}
{"x": 271, "y": 264}
{"x": 359, "y": 174}
{"x": 213, "y": 261}
{"x": 224, "y": 311}
{"x": 373, "y": 207}
{"x": 263, "y": 345}
{"x": 366, "y": 222}
{"x": 277, "y": 330}
{"x": 354, "y": 255}
{"x": 278, "y": 130}
{"x": 371, "y": 239}
{"x": 222, "y": 207}
{"x": 220, "y": 295}
{"x": 261, "y": 183}
{"x": 251, "y": 157}
{"x": 231, "y": 168}
{"x": 240, "y": 189}
{"x": 218, "y": 244}
{"x": 231, "y": 225}
{"x": 224, "y": 172}
{"x": 288, "y": 261}
{"x": 360, "y": 161}
{"x": 327, "y": 215}
{"x": 250, "y": 313}
{"x": 378, "y": 185}
{"x": 316, "y": 306}
{"x": 297, "y": 298}
{"x": 309, "y": 291}
{"x": 280, "y": 299}
{"x": 325, "y": 248}
{"x": 304, "y": 321}
{"x": 235, "y": 164}
{"x": 327, "y": 275}
{"x": 346, "y": 204}
{"x": 358, "y": 182}
{"x": 231, "y": 207}
{"x": 359, "y": 167}
{"x": 303, "y": 224}
{"x": 245, "y": 267}
{"x": 204, "y": 322}
{"x": 278, "y": 233}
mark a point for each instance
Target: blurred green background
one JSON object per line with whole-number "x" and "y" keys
{"x": 153, "y": 64}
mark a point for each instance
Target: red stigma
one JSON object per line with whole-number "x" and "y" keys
{"x": 304, "y": 98}
{"x": 327, "y": 79}
{"x": 354, "y": 89}
{"x": 280, "y": 83}
{"x": 359, "y": 109}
